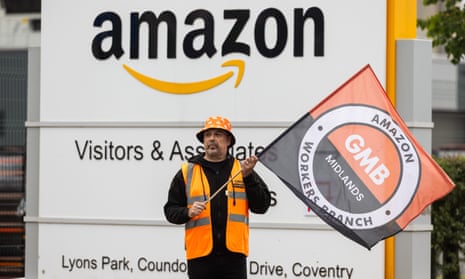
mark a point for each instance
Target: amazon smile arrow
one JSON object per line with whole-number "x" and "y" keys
{"x": 190, "y": 87}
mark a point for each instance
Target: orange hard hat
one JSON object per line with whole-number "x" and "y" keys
{"x": 217, "y": 122}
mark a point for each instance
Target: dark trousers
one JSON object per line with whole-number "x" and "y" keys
{"x": 218, "y": 267}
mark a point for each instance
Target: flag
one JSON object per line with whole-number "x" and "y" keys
{"x": 353, "y": 161}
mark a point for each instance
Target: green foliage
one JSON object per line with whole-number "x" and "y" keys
{"x": 447, "y": 28}
{"x": 448, "y": 219}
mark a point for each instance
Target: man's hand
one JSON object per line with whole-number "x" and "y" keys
{"x": 248, "y": 164}
{"x": 196, "y": 208}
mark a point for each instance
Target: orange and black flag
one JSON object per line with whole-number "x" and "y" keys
{"x": 353, "y": 161}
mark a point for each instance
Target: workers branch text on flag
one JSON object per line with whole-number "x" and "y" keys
{"x": 353, "y": 161}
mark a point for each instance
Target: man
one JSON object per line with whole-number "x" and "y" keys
{"x": 216, "y": 223}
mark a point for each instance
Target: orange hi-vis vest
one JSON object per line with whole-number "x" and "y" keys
{"x": 198, "y": 230}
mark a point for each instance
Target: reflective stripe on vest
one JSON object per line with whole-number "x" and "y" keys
{"x": 196, "y": 223}
{"x": 239, "y": 218}
{"x": 237, "y": 195}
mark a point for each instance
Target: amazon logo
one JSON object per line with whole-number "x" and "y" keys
{"x": 305, "y": 23}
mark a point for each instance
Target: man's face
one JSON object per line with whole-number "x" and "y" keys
{"x": 216, "y": 142}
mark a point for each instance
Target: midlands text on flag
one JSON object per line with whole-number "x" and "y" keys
{"x": 353, "y": 161}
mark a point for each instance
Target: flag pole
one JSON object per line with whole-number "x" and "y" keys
{"x": 222, "y": 186}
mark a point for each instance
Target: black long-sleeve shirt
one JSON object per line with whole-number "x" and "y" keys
{"x": 176, "y": 210}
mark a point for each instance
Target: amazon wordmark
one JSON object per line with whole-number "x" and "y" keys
{"x": 270, "y": 33}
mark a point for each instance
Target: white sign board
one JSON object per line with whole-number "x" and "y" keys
{"x": 94, "y": 251}
{"x": 85, "y": 47}
{"x": 125, "y": 86}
